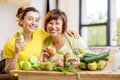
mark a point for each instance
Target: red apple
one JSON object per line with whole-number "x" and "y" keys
{"x": 51, "y": 50}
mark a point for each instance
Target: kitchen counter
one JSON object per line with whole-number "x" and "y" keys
{"x": 53, "y": 75}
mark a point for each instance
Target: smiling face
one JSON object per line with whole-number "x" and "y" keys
{"x": 30, "y": 22}
{"x": 55, "y": 22}
{"x": 54, "y": 27}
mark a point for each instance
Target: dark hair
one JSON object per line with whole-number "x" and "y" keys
{"x": 22, "y": 12}
{"x": 56, "y": 14}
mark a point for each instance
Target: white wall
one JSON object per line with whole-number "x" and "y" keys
{"x": 41, "y": 6}
{"x": 8, "y": 24}
{"x": 113, "y": 23}
{"x": 8, "y": 11}
{"x": 71, "y": 8}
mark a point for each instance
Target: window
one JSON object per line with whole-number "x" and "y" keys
{"x": 118, "y": 22}
{"x": 94, "y": 22}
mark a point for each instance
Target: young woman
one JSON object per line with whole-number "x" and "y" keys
{"x": 28, "y": 19}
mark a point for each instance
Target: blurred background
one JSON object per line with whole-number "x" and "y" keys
{"x": 97, "y": 21}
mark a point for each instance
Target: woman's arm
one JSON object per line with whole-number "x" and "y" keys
{"x": 12, "y": 62}
{"x": 73, "y": 34}
{"x": 45, "y": 56}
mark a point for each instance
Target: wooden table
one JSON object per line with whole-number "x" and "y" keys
{"x": 53, "y": 75}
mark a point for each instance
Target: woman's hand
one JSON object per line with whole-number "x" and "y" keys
{"x": 11, "y": 63}
{"x": 45, "y": 56}
{"x": 73, "y": 34}
{"x": 19, "y": 44}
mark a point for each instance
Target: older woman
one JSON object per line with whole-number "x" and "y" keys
{"x": 55, "y": 23}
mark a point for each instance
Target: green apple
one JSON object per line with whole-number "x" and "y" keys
{"x": 21, "y": 63}
{"x": 83, "y": 51}
{"x": 26, "y": 65}
{"x": 36, "y": 65}
{"x": 47, "y": 66}
{"x": 83, "y": 65}
{"x": 101, "y": 64}
{"x": 32, "y": 60}
{"x": 92, "y": 66}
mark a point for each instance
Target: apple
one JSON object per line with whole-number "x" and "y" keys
{"x": 21, "y": 63}
{"x": 51, "y": 50}
{"x": 32, "y": 60}
{"x": 26, "y": 65}
{"x": 101, "y": 64}
{"x": 92, "y": 66}
{"x": 83, "y": 51}
{"x": 36, "y": 66}
{"x": 48, "y": 66}
{"x": 83, "y": 66}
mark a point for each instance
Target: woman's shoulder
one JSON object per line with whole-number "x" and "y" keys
{"x": 70, "y": 38}
{"x": 73, "y": 38}
{"x": 48, "y": 41}
{"x": 76, "y": 42}
{"x": 10, "y": 41}
{"x": 40, "y": 31}
{"x": 9, "y": 45}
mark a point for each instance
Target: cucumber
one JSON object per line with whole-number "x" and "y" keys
{"x": 89, "y": 55}
{"x": 19, "y": 34}
{"x": 88, "y": 59}
{"x": 103, "y": 55}
{"x": 21, "y": 37}
{"x": 93, "y": 58}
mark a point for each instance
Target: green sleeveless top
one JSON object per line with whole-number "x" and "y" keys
{"x": 70, "y": 44}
